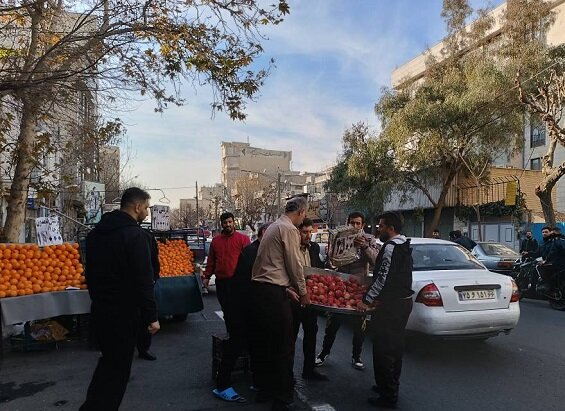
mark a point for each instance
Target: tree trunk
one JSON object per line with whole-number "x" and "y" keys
{"x": 440, "y": 204}
{"x": 477, "y": 209}
{"x": 546, "y": 204}
{"x": 15, "y": 215}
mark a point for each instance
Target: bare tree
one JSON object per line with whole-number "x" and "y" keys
{"x": 52, "y": 51}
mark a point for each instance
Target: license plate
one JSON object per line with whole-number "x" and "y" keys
{"x": 477, "y": 295}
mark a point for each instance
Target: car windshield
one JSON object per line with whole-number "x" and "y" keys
{"x": 442, "y": 257}
{"x": 496, "y": 249}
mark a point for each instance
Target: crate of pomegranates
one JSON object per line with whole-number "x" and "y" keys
{"x": 333, "y": 291}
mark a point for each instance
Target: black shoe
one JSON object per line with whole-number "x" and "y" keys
{"x": 320, "y": 359}
{"x": 383, "y": 402}
{"x": 263, "y": 396}
{"x": 314, "y": 375}
{"x": 147, "y": 355}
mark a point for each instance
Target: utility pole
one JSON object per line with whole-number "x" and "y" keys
{"x": 197, "y": 208}
{"x": 278, "y": 193}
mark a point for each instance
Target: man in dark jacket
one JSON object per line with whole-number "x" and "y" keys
{"x": 529, "y": 244}
{"x": 144, "y": 336}
{"x": 462, "y": 240}
{"x": 391, "y": 295}
{"x": 306, "y": 316}
{"x": 119, "y": 275}
{"x": 238, "y": 316}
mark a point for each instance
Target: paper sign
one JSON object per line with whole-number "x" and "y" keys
{"x": 48, "y": 231}
{"x": 94, "y": 195}
{"x": 342, "y": 247}
{"x": 160, "y": 218}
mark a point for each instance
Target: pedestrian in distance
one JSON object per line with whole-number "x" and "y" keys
{"x": 119, "y": 275}
{"x": 435, "y": 234}
{"x": 528, "y": 245}
{"x": 239, "y": 318}
{"x": 391, "y": 297}
{"x": 367, "y": 250}
{"x": 462, "y": 240}
{"x": 306, "y": 316}
{"x": 222, "y": 261}
{"x": 277, "y": 268}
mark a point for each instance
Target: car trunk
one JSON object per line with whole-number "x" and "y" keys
{"x": 471, "y": 290}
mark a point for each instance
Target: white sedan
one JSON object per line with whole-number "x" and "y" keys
{"x": 456, "y": 296}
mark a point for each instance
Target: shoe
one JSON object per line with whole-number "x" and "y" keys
{"x": 357, "y": 363}
{"x": 383, "y": 402}
{"x": 147, "y": 355}
{"x": 321, "y": 359}
{"x": 281, "y": 406}
{"x": 314, "y": 376}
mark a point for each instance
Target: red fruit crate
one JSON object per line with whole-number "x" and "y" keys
{"x": 335, "y": 292}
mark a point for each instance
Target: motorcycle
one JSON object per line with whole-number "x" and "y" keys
{"x": 539, "y": 281}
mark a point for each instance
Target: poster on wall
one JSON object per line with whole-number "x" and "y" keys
{"x": 94, "y": 196}
{"x": 48, "y": 231}
{"x": 160, "y": 218}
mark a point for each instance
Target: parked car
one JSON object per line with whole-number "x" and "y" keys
{"x": 496, "y": 257}
{"x": 456, "y": 296}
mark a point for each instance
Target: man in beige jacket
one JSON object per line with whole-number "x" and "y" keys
{"x": 277, "y": 268}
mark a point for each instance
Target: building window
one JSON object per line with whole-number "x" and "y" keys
{"x": 535, "y": 164}
{"x": 537, "y": 132}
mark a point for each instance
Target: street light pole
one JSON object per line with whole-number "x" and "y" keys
{"x": 278, "y": 193}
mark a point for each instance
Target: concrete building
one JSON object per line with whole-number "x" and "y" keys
{"x": 535, "y": 135}
{"x": 239, "y": 159}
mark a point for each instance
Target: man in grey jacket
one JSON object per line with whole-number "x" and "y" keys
{"x": 367, "y": 249}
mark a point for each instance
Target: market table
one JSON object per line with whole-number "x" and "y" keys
{"x": 43, "y": 305}
{"x": 178, "y": 295}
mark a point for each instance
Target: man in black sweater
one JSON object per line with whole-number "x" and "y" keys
{"x": 239, "y": 334}
{"x": 119, "y": 274}
{"x": 391, "y": 295}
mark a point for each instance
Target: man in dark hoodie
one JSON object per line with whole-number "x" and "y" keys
{"x": 391, "y": 295}
{"x": 119, "y": 274}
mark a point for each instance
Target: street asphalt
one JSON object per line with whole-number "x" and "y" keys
{"x": 521, "y": 371}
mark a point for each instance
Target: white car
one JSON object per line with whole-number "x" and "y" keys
{"x": 321, "y": 237}
{"x": 456, "y": 296}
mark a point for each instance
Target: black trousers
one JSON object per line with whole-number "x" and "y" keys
{"x": 332, "y": 326}
{"x": 116, "y": 335}
{"x": 308, "y": 318}
{"x": 143, "y": 339}
{"x": 272, "y": 341}
{"x": 386, "y": 329}
{"x": 232, "y": 300}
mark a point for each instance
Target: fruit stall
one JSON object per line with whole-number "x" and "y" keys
{"x": 41, "y": 282}
{"x": 178, "y": 292}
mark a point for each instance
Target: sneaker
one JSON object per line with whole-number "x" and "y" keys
{"x": 357, "y": 363}
{"x": 320, "y": 359}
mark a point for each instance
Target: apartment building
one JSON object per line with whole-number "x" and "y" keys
{"x": 520, "y": 168}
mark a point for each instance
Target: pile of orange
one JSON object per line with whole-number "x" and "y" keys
{"x": 27, "y": 269}
{"x": 175, "y": 258}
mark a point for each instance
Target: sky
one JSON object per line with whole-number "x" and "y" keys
{"x": 332, "y": 58}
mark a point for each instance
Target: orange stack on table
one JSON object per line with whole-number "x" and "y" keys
{"x": 176, "y": 258}
{"x": 27, "y": 269}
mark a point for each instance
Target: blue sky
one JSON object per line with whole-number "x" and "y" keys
{"x": 332, "y": 58}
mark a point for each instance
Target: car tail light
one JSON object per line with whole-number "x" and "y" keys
{"x": 515, "y": 292}
{"x": 505, "y": 264}
{"x": 430, "y": 296}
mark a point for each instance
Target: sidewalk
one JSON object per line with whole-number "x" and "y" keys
{"x": 180, "y": 379}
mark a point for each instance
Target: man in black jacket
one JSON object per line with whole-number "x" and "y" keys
{"x": 391, "y": 295}
{"x": 239, "y": 334}
{"x": 306, "y": 316}
{"x": 144, "y": 336}
{"x": 119, "y": 274}
{"x": 529, "y": 244}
